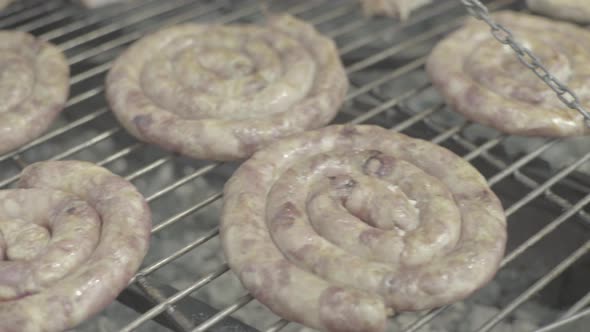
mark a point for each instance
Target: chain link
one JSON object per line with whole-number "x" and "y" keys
{"x": 526, "y": 57}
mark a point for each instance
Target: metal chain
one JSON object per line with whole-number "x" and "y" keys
{"x": 505, "y": 36}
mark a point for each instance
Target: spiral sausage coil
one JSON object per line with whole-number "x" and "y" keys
{"x": 34, "y": 86}
{"x": 71, "y": 238}
{"x": 339, "y": 227}
{"x": 223, "y": 91}
{"x": 488, "y": 84}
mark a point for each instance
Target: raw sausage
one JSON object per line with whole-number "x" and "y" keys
{"x": 221, "y": 92}
{"x": 71, "y": 237}
{"x": 339, "y": 227}
{"x": 485, "y": 81}
{"x": 34, "y": 86}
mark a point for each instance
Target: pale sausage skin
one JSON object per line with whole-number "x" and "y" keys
{"x": 71, "y": 238}
{"x": 34, "y": 86}
{"x": 487, "y": 83}
{"x": 340, "y": 227}
{"x": 570, "y": 10}
{"x": 221, "y": 92}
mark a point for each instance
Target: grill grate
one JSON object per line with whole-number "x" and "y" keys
{"x": 389, "y": 88}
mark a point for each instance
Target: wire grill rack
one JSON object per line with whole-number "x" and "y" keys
{"x": 381, "y": 56}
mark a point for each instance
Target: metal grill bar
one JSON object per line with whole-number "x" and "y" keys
{"x": 161, "y": 263}
{"x": 38, "y": 10}
{"x": 138, "y": 16}
{"x": 563, "y": 322}
{"x": 121, "y": 11}
{"x": 10, "y": 10}
{"x": 170, "y": 221}
{"x": 581, "y": 304}
{"x": 539, "y": 190}
{"x": 119, "y": 154}
{"x": 537, "y": 286}
{"x": 125, "y": 24}
{"x": 242, "y": 301}
{"x": 52, "y": 18}
{"x": 445, "y": 6}
{"x": 544, "y": 232}
{"x": 149, "y": 168}
{"x": 200, "y": 172}
{"x": 278, "y": 325}
{"x": 175, "y": 298}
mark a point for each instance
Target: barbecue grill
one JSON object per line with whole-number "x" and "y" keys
{"x": 185, "y": 285}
